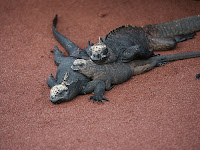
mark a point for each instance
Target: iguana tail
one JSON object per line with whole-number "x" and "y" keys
{"x": 177, "y": 27}
{"x": 174, "y": 57}
{"x": 64, "y": 41}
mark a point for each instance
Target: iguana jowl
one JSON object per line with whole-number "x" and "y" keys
{"x": 129, "y": 42}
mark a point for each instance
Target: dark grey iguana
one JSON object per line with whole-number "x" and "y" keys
{"x": 129, "y": 42}
{"x": 119, "y": 72}
{"x": 68, "y": 84}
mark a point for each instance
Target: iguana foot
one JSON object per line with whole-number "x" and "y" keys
{"x": 198, "y": 76}
{"x": 159, "y": 62}
{"x": 56, "y": 49}
{"x": 51, "y": 81}
{"x": 90, "y": 44}
{"x": 98, "y": 98}
{"x": 154, "y": 55}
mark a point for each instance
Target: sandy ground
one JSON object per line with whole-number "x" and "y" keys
{"x": 155, "y": 110}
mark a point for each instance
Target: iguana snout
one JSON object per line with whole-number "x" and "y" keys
{"x": 87, "y": 67}
{"x": 58, "y": 92}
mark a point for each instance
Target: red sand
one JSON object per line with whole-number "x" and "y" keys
{"x": 156, "y": 110}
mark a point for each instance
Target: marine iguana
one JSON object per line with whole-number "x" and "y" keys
{"x": 68, "y": 84}
{"x": 129, "y": 42}
{"x": 119, "y": 72}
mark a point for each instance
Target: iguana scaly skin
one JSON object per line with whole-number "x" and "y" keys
{"x": 118, "y": 72}
{"x": 129, "y": 42}
{"x": 68, "y": 84}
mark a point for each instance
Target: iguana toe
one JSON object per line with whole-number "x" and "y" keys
{"x": 160, "y": 64}
{"x": 51, "y": 75}
{"x": 98, "y": 99}
{"x": 54, "y": 50}
{"x": 198, "y": 76}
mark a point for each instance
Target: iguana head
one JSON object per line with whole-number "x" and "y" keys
{"x": 58, "y": 93}
{"x": 64, "y": 91}
{"x": 86, "y": 67}
{"x": 98, "y": 52}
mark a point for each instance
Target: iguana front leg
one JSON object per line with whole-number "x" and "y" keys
{"x": 91, "y": 70}
{"x": 98, "y": 87}
{"x": 58, "y": 56}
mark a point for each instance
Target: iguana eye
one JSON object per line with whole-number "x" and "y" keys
{"x": 105, "y": 51}
{"x": 89, "y": 52}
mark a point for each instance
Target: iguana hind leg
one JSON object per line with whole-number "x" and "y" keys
{"x": 144, "y": 68}
{"x": 198, "y": 76}
{"x": 161, "y": 44}
{"x": 51, "y": 81}
{"x": 58, "y": 56}
{"x": 168, "y": 43}
{"x": 184, "y": 37}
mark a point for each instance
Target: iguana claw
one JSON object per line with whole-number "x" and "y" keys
{"x": 198, "y": 76}
{"x": 98, "y": 98}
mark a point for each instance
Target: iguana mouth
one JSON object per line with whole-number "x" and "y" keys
{"x": 99, "y": 61}
{"x": 75, "y": 68}
{"x": 59, "y": 98}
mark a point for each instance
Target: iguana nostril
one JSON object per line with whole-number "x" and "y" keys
{"x": 52, "y": 97}
{"x": 98, "y": 56}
